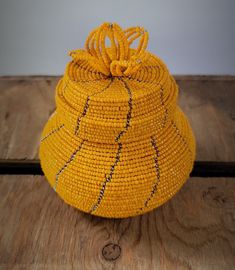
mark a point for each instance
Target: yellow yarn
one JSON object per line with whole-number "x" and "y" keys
{"x": 117, "y": 144}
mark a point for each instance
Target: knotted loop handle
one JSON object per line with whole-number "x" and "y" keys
{"x": 117, "y": 59}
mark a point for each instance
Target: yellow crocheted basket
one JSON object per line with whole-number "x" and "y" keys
{"x": 117, "y": 144}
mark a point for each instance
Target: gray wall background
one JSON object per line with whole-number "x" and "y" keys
{"x": 190, "y": 36}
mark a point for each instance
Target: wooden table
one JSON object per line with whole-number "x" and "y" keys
{"x": 194, "y": 230}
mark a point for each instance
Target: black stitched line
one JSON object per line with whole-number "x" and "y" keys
{"x": 86, "y": 108}
{"x": 83, "y": 114}
{"x": 66, "y": 164}
{"x": 52, "y": 132}
{"x": 182, "y": 138}
{"x": 128, "y": 117}
{"x": 103, "y": 89}
{"x": 154, "y": 188}
{"x": 107, "y": 179}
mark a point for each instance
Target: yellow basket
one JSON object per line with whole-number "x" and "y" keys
{"x": 117, "y": 144}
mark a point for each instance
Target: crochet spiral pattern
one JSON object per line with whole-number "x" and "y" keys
{"x": 117, "y": 144}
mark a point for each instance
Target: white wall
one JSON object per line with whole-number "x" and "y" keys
{"x": 190, "y": 36}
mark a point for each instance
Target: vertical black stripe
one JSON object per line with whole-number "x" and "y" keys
{"x": 128, "y": 117}
{"x": 179, "y": 133}
{"x": 83, "y": 114}
{"x": 86, "y": 107}
{"x": 66, "y": 164}
{"x": 127, "y": 124}
{"x": 107, "y": 179}
{"x": 154, "y": 188}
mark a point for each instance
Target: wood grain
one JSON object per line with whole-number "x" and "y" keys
{"x": 25, "y": 105}
{"x": 194, "y": 230}
{"x": 209, "y": 104}
{"x": 208, "y": 101}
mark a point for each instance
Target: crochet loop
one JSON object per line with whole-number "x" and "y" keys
{"x": 118, "y": 59}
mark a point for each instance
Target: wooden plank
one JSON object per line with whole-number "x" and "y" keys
{"x": 25, "y": 105}
{"x": 194, "y": 230}
{"x": 209, "y": 105}
{"x": 208, "y": 101}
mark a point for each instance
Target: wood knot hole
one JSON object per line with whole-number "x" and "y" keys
{"x": 111, "y": 252}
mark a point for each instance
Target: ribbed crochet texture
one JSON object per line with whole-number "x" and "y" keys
{"x": 117, "y": 145}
